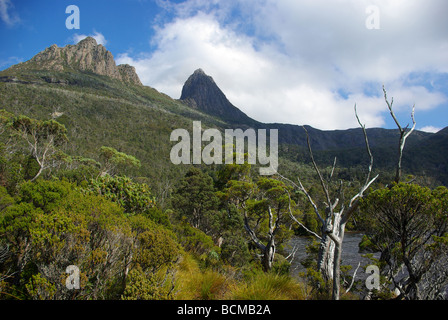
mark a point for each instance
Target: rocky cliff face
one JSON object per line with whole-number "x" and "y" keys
{"x": 87, "y": 55}
{"x": 201, "y": 92}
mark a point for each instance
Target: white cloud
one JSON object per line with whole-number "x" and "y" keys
{"x": 431, "y": 129}
{"x": 288, "y": 61}
{"x": 99, "y": 37}
{"x": 7, "y": 17}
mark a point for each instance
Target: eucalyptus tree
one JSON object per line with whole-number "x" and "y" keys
{"x": 43, "y": 138}
{"x": 408, "y": 225}
{"x": 264, "y": 206}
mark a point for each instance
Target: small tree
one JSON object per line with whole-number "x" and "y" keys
{"x": 43, "y": 138}
{"x": 264, "y": 206}
{"x": 196, "y": 200}
{"x": 114, "y": 161}
{"x": 408, "y": 224}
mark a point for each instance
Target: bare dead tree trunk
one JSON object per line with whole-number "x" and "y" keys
{"x": 333, "y": 226}
{"x": 404, "y": 134}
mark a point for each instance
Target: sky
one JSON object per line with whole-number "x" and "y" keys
{"x": 286, "y": 61}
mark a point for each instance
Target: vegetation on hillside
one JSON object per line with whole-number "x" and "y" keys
{"x": 86, "y": 181}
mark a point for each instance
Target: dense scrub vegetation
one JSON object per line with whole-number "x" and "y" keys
{"x": 89, "y": 183}
{"x": 222, "y": 233}
{"x": 111, "y": 227}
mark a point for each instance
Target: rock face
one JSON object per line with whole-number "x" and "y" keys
{"x": 87, "y": 55}
{"x": 128, "y": 74}
{"x": 201, "y": 92}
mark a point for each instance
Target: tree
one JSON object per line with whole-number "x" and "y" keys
{"x": 336, "y": 214}
{"x": 42, "y": 137}
{"x": 408, "y": 224}
{"x": 271, "y": 211}
{"x": 134, "y": 197}
{"x": 195, "y": 199}
{"x": 404, "y": 134}
{"x": 264, "y": 206}
{"x": 115, "y": 161}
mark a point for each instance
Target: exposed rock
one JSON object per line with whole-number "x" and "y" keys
{"x": 87, "y": 55}
{"x": 128, "y": 74}
{"x": 201, "y": 92}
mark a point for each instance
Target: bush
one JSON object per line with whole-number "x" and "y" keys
{"x": 53, "y": 225}
{"x": 133, "y": 197}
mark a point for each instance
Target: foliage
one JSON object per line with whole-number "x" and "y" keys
{"x": 193, "y": 239}
{"x": 270, "y": 286}
{"x": 408, "y": 225}
{"x": 195, "y": 199}
{"x": 140, "y": 286}
{"x": 115, "y": 161}
{"x": 43, "y": 139}
{"x": 53, "y": 225}
{"x": 133, "y": 197}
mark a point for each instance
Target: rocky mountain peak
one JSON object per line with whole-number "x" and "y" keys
{"x": 199, "y": 72}
{"x": 87, "y": 42}
{"x": 201, "y": 92}
{"x": 86, "y": 55}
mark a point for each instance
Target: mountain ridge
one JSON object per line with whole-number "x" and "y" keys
{"x": 202, "y": 93}
{"x": 86, "y": 55}
{"x": 108, "y": 90}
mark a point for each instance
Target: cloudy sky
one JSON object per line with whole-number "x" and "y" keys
{"x": 289, "y": 61}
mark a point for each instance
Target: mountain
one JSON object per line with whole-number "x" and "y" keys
{"x": 102, "y": 104}
{"x": 201, "y": 92}
{"x": 430, "y": 157}
{"x": 87, "y": 55}
{"x": 101, "y": 107}
{"x": 425, "y": 153}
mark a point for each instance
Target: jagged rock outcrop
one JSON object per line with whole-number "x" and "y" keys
{"x": 87, "y": 55}
{"x": 201, "y": 92}
{"x": 128, "y": 74}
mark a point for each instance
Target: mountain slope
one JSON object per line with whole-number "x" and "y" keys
{"x": 102, "y": 110}
{"x": 101, "y": 104}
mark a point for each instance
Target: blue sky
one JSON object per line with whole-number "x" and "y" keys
{"x": 290, "y": 61}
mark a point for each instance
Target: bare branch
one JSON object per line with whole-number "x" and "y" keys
{"x": 332, "y": 170}
{"x": 300, "y": 187}
{"x": 369, "y": 152}
{"x": 389, "y": 105}
{"x": 353, "y": 279}
{"x": 322, "y": 182}
{"x": 404, "y": 134}
{"x": 292, "y": 254}
{"x": 298, "y": 222}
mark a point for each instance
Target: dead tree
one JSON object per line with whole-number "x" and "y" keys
{"x": 336, "y": 215}
{"x": 404, "y": 134}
